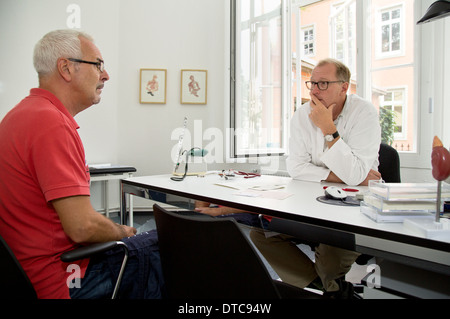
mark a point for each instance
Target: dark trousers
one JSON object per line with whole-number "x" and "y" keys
{"x": 142, "y": 278}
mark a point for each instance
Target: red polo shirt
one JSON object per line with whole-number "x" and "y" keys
{"x": 42, "y": 158}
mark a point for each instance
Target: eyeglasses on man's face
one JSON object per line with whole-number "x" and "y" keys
{"x": 322, "y": 85}
{"x": 100, "y": 64}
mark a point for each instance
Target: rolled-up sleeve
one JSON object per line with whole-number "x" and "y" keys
{"x": 303, "y": 162}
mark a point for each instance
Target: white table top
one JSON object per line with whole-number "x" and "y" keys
{"x": 302, "y": 205}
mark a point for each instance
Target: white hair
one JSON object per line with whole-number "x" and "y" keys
{"x": 54, "y": 45}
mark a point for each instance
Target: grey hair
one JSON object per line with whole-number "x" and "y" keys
{"x": 342, "y": 71}
{"x": 54, "y": 45}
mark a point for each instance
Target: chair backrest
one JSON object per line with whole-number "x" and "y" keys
{"x": 208, "y": 258}
{"x": 389, "y": 164}
{"x": 14, "y": 283}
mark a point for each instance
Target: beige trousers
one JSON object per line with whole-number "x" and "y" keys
{"x": 296, "y": 268}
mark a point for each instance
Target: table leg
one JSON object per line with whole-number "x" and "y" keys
{"x": 106, "y": 198}
{"x": 123, "y": 205}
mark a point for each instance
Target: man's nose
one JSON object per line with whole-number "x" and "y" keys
{"x": 104, "y": 76}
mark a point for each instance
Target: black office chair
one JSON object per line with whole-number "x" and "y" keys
{"x": 210, "y": 258}
{"x": 389, "y": 164}
{"x": 15, "y": 284}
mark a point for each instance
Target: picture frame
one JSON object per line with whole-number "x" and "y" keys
{"x": 194, "y": 88}
{"x": 153, "y": 84}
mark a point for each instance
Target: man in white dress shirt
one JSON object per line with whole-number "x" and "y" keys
{"x": 335, "y": 138}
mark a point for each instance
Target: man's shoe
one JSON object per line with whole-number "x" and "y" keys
{"x": 345, "y": 291}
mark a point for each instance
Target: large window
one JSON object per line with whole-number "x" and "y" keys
{"x": 394, "y": 64}
{"x": 257, "y": 79}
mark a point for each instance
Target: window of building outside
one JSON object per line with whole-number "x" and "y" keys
{"x": 308, "y": 41}
{"x": 391, "y": 31}
{"x": 376, "y": 39}
{"x": 394, "y": 101}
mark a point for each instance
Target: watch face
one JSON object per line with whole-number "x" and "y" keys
{"x": 331, "y": 137}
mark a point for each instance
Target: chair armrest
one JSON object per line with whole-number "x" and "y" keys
{"x": 87, "y": 251}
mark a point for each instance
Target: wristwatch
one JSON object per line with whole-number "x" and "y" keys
{"x": 331, "y": 137}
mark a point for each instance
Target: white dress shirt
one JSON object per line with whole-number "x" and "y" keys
{"x": 350, "y": 158}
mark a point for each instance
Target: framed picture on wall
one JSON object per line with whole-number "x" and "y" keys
{"x": 194, "y": 86}
{"x": 153, "y": 86}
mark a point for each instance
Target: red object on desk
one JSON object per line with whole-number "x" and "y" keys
{"x": 247, "y": 175}
{"x": 346, "y": 189}
{"x": 440, "y": 160}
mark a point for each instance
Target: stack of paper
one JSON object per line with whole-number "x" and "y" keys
{"x": 393, "y": 202}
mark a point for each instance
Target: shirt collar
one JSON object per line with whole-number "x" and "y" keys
{"x": 56, "y": 102}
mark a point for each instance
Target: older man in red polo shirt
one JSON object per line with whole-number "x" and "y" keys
{"x": 45, "y": 207}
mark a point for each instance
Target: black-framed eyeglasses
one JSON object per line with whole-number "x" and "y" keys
{"x": 100, "y": 64}
{"x": 322, "y": 85}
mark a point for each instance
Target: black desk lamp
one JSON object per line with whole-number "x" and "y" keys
{"x": 195, "y": 151}
{"x": 439, "y": 9}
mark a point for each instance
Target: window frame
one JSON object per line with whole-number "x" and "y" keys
{"x": 338, "y": 8}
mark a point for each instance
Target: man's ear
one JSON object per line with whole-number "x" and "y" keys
{"x": 63, "y": 66}
{"x": 345, "y": 87}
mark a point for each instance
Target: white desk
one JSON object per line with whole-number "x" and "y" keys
{"x": 359, "y": 232}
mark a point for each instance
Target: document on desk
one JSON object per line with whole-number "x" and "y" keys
{"x": 245, "y": 188}
{"x": 265, "y": 194}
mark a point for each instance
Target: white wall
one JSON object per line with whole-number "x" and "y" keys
{"x": 22, "y": 24}
{"x": 171, "y": 35}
